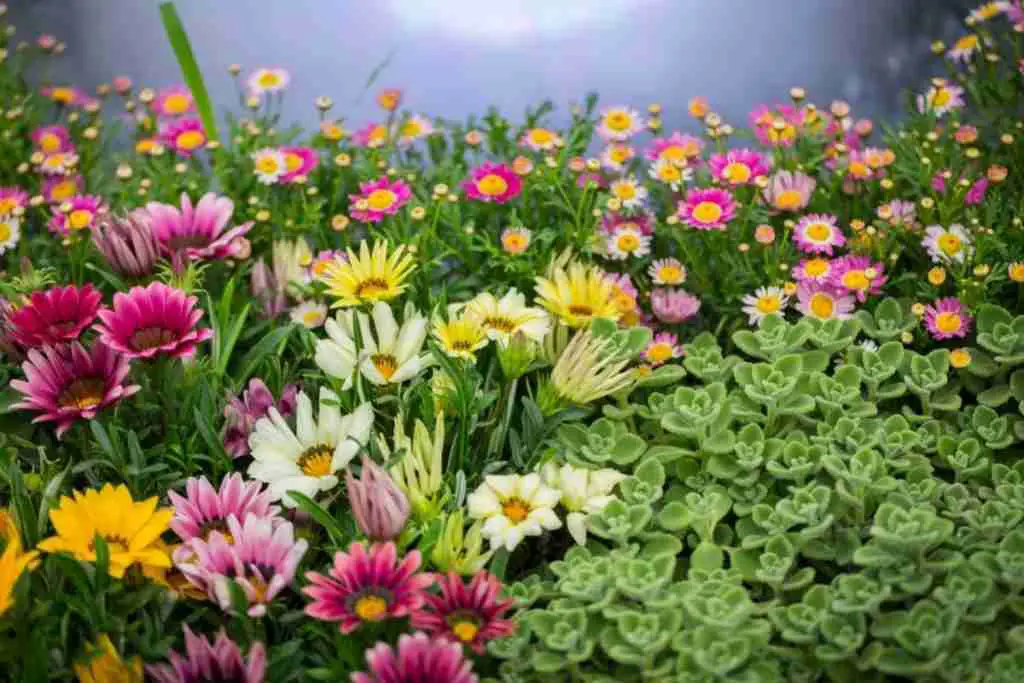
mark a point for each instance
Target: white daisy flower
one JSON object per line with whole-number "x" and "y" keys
{"x": 503, "y": 318}
{"x": 309, "y": 314}
{"x": 626, "y": 242}
{"x": 765, "y": 301}
{"x": 308, "y": 459}
{"x": 513, "y": 507}
{"x": 667, "y": 271}
{"x": 10, "y": 232}
{"x": 269, "y": 165}
{"x": 947, "y": 244}
{"x": 670, "y": 173}
{"x": 267, "y": 81}
{"x": 629, "y": 191}
{"x": 584, "y": 492}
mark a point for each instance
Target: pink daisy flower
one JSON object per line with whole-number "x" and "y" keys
{"x": 789, "y": 191}
{"x": 60, "y": 188}
{"x": 220, "y": 660}
{"x": 817, "y": 233}
{"x": 367, "y": 586}
{"x": 381, "y": 197}
{"x": 12, "y": 198}
{"x": 184, "y": 136}
{"x": 67, "y": 95}
{"x": 54, "y": 316}
{"x": 858, "y": 275}
{"x": 823, "y": 302}
{"x": 242, "y": 413}
{"x": 678, "y": 148}
{"x": 641, "y": 221}
{"x": 707, "y": 209}
{"x": 418, "y": 659}
{"x": 203, "y": 509}
{"x": 663, "y": 348}
{"x": 371, "y": 135}
{"x": 67, "y": 383}
{"x": 299, "y": 161}
{"x": 976, "y": 194}
{"x": 815, "y": 270}
{"x": 52, "y": 139}
{"x": 81, "y": 214}
{"x": 174, "y": 100}
{"x": 199, "y": 232}
{"x": 775, "y": 126}
{"x": 947, "y": 318}
{"x": 492, "y": 182}
{"x": 738, "y": 167}
{"x": 674, "y": 305}
{"x": 470, "y": 615}
{"x": 153, "y": 320}
{"x": 259, "y": 555}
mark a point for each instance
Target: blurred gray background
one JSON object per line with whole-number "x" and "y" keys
{"x": 455, "y": 57}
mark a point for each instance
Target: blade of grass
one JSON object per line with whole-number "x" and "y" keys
{"x": 189, "y": 67}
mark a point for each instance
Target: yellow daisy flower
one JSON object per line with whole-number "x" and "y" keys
{"x": 13, "y": 561}
{"x": 368, "y": 277}
{"x": 103, "y": 664}
{"x": 578, "y": 295}
{"x": 460, "y": 337}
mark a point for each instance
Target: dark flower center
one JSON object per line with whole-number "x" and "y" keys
{"x": 151, "y": 337}
{"x": 500, "y": 324}
{"x": 83, "y": 393}
{"x": 372, "y": 286}
{"x": 115, "y": 543}
{"x": 194, "y": 240}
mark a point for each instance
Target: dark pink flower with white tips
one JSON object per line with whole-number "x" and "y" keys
{"x": 367, "y": 586}
{"x": 151, "y": 321}
{"x": 378, "y": 199}
{"x": 299, "y": 162}
{"x": 707, "y": 209}
{"x": 221, "y": 660}
{"x": 53, "y": 316}
{"x": 491, "y": 182}
{"x": 203, "y": 509}
{"x": 947, "y": 318}
{"x": 199, "y": 232}
{"x": 738, "y": 167}
{"x": 468, "y": 614}
{"x": 418, "y": 659}
{"x": 67, "y": 383}
{"x": 52, "y": 139}
{"x": 858, "y": 275}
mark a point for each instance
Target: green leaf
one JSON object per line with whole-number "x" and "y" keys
{"x": 322, "y": 516}
{"x": 189, "y": 68}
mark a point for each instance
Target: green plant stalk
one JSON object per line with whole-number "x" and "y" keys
{"x": 179, "y": 41}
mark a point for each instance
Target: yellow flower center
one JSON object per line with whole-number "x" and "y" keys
{"x": 624, "y": 191}
{"x": 378, "y": 135}
{"x": 267, "y": 165}
{"x": 674, "y": 153}
{"x": 627, "y": 241}
{"x": 49, "y": 142}
{"x": 959, "y": 358}
{"x": 515, "y": 243}
{"x": 541, "y": 136}
{"x": 370, "y": 607}
{"x": 581, "y": 310}
{"x": 190, "y": 140}
{"x": 115, "y": 544}
{"x": 7, "y": 205}
{"x": 5, "y": 232}
{"x": 670, "y": 274}
{"x": 659, "y": 352}
{"x": 858, "y": 169}
{"x": 143, "y": 146}
{"x": 1017, "y": 272}
{"x": 516, "y": 510}
{"x": 618, "y": 120}
{"x": 177, "y": 103}
{"x": 79, "y": 218}
{"x": 151, "y": 337}
{"x": 292, "y": 162}
{"x": 769, "y": 303}
{"x": 856, "y": 280}
{"x": 707, "y": 212}
{"x": 788, "y": 200}
{"x": 816, "y": 267}
{"x": 54, "y": 161}
{"x": 332, "y": 131}
{"x": 269, "y": 79}
{"x": 412, "y": 128}
{"x": 822, "y": 305}
{"x": 316, "y": 461}
{"x": 83, "y": 393}
{"x": 736, "y": 173}
{"x": 968, "y": 42}
{"x": 385, "y": 363}
{"x": 465, "y": 630}
{"x": 499, "y": 323}
{"x": 670, "y": 173}
{"x": 941, "y": 97}
{"x": 492, "y": 185}
{"x": 818, "y": 232}
{"x": 312, "y": 318}
{"x": 381, "y": 200}
{"x": 63, "y": 190}
{"x": 949, "y": 244}
{"x": 64, "y": 95}
{"x": 372, "y": 288}
{"x": 948, "y": 322}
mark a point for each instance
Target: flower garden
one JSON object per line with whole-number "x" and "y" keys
{"x": 576, "y": 396}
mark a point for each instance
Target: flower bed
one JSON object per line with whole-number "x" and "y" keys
{"x": 498, "y": 400}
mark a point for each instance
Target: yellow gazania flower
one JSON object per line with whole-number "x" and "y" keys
{"x": 103, "y": 664}
{"x": 460, "y": 337}
{"x": 13, "y": 561}
{"x": 578, "y": 295}
{"x": 366, "y": 277}
{"x": 131, "y": 529}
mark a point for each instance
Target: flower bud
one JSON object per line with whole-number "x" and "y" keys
{"x": 380, "y": 507}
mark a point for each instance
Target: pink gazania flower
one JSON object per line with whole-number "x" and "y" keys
{"x": 127, "y": 245}
{"x": 641, "y": 221}
{"x": 259, "y": 555}
{"x": 67, "y": 383}
{"x": 858, "y": 275}
{"x": 677, "y": 148}
{"x": 184, "y": 136}
{"x": 241, "y": 414}
{"x": 947, "y": 318}
{"x": 469, "y": 615}
{"x": 788, "y": 191}
{"x": 61, "y": 188}
{"x": 976, "y": 194}
{"x": 220, "y": 660}
{"x": 203, "y": 509}
{"x": 492, "y": 182}
{"x": 153, "y": 320}
{"x": 814, "y": 270}
{"x": 54, "y": 316}
{"x": 663, "y": 348}
{"x": 418, "y": 659}
{"x": 196, "y": 232}
{"x": 299, "y": 161}
{"x": 52, "y": 139}
{"x": 367, "y": 586}
{"x": 82, "y": 212}
{"x": 175, "y": 100}
{"x": 707, "y": 209}
{"x": 817, "y": 233}
{"x": 823, "y": 302}
{"x": 12, "y": 198}
{"x": 738, "y": 167}
{"x": 381, "y": 197}
{"x": 674, "y": 305}
{"x": 371, "y": 135}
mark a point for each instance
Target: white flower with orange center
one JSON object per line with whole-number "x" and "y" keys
{"x": 515, "y": 240}
{"x": 309, "y": 314}
{"x": 626, "y": 242}
{"x": 670, "y": 173}
{"x": 629, "y": 191}
{"x": 10, "y": 232}
{"x": 514, "y": 507}
{"x": 389, "y": 354}
{"x": 765, "y": 301}
{"x": 667, "y": 271}
{"x": 59, "y": 163}
{"x": 269, "y": 165}
{"x": 267, "y": 81}
{"x": 945, "y": 245}
{"x": 616, "y": 155}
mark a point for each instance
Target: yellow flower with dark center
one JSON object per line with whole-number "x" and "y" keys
{"x": 13, "y": 562}
{"x": 577, "y": 295}
{"x": 102, "y": 664}
{"x": 461, "y": 337}
{"x": 130, "y": 529}
{"x": 368, "y": 276}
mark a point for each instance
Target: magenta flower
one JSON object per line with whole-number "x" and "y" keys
{"x": 299, "y": 161}
{"x": 776, "y": 125}
{"x": 67, "y": 95}
{"x": 738, "y": 167}
{"x": 379, "y": 198}
{"x": 816, "y": 270}
{"x": 492, "y": 182}
{"x": 151, "y": 321}
{"x": 642, "y": 222}
{"x": 173, "y": 101}
{"x": 82, "y": 212}
{"x": 220, "y": 660}
{"x": 947, "y": 318}
{"x": 66, "y": 383}
{"x": 127, "y": 244}
{"x": 371, "y": 135}
{"x": 674, "y": 305}
{"x": 817, "y": 233}
{"x": 419, "y": 659}
{"x": 707, "y": 209}
{"x": 52, "y": 139}
{"x": 976, "y": 194}
{"x": 469, "y": 615}
{"x": 259, "y": 555}
{"x": 678, "y": 148}
{"x": 938, "y": 182}
{"x": 53, "y": 316}
{"x": 203, "y": 510}
{"x": 363, "y": 587}
{"x": 858, "y": 275}
{"x": 61, "y": 188}
{"x": 12, "y": 198}
{"x": 242, "y": 413}
{"x": 199, "y": 232}
{"x": 8, "y": 347}
{"x": 662, "y": 348}
{"x": 380, "y": 507}
{"x": 185, "y": 136}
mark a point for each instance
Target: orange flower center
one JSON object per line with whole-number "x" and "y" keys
{"x": 370, "y": 607}
{"x": 516, "y": 509}
{"x": 822, "y": 306}
{"x": 381, "y": 200}
{"x": 177, "y": 103}
{"x": 949, "y": 244}
{"x": 492, "y": 185}
{"x": 769, "y": 303}
{"x": 618, "y": 120}
{"x": 79, "y": 218}
{"x": 788, "y": 200}
{"x": 385, "y": 363}
{"x": 83, "y": 393}
{"x": 707, "y": 212}
{"x": 818, "y": 232}
{"x": 856, "y": 280}
{"x": 49, "y": 142}
{"x": 190, "y": 140}
{"x": 948, "y": 322}
{"x": 371, "y": 288}
{"x": 736, "y": 173}
{"x": 316, "y": 461}
{"x": 659, "y": 352}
